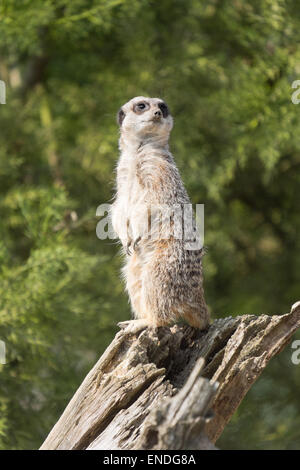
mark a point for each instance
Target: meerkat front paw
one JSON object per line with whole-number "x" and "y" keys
{"x": 133, "y": 326}
{"x": 131, "y": 247}
{"x": 136, "y": 242}
{"x": 127, "y": 249}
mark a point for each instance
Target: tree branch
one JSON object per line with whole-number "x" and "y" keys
{"x": 170, "y": 387}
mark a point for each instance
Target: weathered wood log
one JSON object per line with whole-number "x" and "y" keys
{"x": 170, "y": 387}
{"x": 179, "y": 422}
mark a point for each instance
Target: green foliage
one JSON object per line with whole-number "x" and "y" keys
{"x": 226, "y": 69}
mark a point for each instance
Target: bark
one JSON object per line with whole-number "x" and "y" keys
{"x": 170, "y": 387}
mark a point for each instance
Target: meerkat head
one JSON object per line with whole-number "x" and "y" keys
{"x": 145, "y": 120}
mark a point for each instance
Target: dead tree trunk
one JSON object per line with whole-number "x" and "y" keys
{"x": 170, "y": 387}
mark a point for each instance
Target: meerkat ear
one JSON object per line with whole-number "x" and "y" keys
{"x": 120, "y": 116}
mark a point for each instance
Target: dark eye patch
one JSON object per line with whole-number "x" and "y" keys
{"x": 164, "y": 109}
{"x": 120, "y": 117}
{"x": 140, "y": 107}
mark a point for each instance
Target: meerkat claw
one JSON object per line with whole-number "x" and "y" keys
{"x": 136, "y": 242}
{"x": 128, "y": 248}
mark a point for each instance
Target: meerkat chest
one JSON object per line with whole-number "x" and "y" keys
{"x": 129, "y": 188}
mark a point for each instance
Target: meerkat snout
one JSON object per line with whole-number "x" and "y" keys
{"x": 157, "y": 115}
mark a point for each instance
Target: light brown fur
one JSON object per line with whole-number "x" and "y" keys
{"x": 163, "y": 278}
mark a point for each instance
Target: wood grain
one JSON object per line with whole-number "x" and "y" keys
{"x": 170, "y": 387}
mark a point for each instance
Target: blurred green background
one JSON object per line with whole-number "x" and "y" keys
{"x": 225, "y": 67}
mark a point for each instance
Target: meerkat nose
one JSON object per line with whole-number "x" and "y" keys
{"x": 158, "y": 114}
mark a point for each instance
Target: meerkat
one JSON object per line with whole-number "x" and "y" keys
{"x": 163, "y": 278}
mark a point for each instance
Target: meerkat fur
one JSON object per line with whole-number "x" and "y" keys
{"x": 163, "y": 278}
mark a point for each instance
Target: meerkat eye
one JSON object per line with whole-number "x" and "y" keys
{"x": 164, "y": 109}
{"x": 140, "y": 107}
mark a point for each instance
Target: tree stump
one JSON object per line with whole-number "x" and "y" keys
{"x": 170, "y": 387}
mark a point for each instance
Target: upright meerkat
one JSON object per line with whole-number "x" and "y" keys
{"x": 163, "y": 278}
